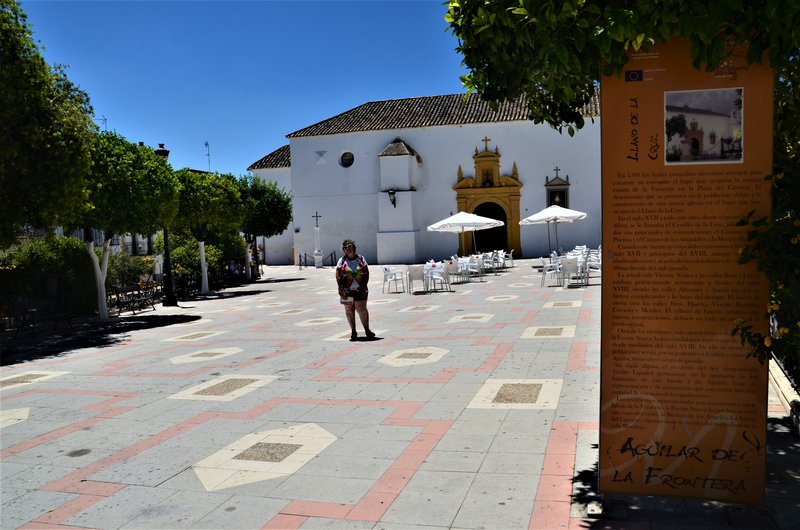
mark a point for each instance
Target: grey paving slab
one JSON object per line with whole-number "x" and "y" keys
{"x": 182, "y": 509}
{"x": 486, "y": 511}
{"x": 152, "y": 467}
{"x": 461, "y": 461}
{"x": 64, "y": 454}
{"x": 119, "y": 509}
{"x": 240, "y": 512}
{"x": 322, "y": 523}
{"x": 35, "y": 475}
{"x": 29, "y": 506}
{"x": 466, "y": 442}
{"x": 514, "y": 444}
{"x": 340, "y": 490}
{"x": 513, "y": 463}
{"x": 358, "y": 467}
{"x": 431, "y": 498}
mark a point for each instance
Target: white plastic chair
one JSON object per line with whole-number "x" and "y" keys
{"x": 416, "y": 273}
{"x": 474, "y": 267}
{"x": 436, "y": 273}
{"x": 570, "y": 272}
{"x": 509, "y": 258}
{"x": 463, "y": 269}
{"x": 550, "y": 268}
{"x": 390, "y": 276}
{"x": 453, "y": 271}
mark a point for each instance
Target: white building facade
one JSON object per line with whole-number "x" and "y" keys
{"x": 384, "y": 171}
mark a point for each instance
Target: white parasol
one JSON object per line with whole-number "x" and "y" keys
{"x": 553, "y": 214}
{"x": 464, "y": 222}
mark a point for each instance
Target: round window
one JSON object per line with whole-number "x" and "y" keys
{"x": 346, "y": 160}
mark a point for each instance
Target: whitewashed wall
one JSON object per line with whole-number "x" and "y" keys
{"x": 277, "y": 249}
{"x": 352, "y": 205}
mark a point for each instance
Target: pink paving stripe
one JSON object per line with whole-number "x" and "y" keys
{"x": 563, "y": 438}
{"x": 529, "y": 317}
{"x": 68, "y": 509}
{"x": 585, "y": 316}
{"x": 284, "y": 522}
{"x": 372, "y": 506}
{"x": 328, "y": 510}
{"x": 553, "y": 495}
{"x": 549, "y": 515}
{"x": 576, "y": 362}
{"x": 551, "y": 508}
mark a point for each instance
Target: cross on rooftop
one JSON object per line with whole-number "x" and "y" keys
{"x": 557, "y": 169}
{"x": 486, "y": 141}
{"x": 316, "y": 217}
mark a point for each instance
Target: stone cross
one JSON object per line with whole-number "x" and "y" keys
{"x": 316, "y": 217}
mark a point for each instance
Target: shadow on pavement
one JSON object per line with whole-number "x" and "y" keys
{"x": 89, "y": 334}
{"x": 779, "y": 511}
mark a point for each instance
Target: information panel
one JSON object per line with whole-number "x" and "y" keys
{"x": 684, "y": 156}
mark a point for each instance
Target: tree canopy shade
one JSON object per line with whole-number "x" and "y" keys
{"x": 45, "y": 132}
{"x": 553, "y": 52}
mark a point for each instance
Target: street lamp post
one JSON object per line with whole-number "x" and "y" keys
{"x": 169, "y": 286}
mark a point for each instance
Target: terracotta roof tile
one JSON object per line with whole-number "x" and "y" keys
{"x": 397, "y": 148}
{"x": 427, "y": 111}
{"x": 281, "y": 157}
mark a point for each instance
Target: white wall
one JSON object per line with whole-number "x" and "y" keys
{"x": 278, "y": 249}
{"x": 348, "y": 199}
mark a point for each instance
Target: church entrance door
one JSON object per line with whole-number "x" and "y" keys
{"x": 493, "y": 238}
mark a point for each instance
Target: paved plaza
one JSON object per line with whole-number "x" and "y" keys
{"x": 476, "y": 408}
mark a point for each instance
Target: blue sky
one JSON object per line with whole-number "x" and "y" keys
{"x": 242, "y": 75}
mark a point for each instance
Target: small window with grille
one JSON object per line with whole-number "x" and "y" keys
{"x": 347, "y": 159}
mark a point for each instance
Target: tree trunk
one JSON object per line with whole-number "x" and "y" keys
{"x": 248, "y": 260}
{"x": 100, "y": 271}
{"x": 203, "y": 268}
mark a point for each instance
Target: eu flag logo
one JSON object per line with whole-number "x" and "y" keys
{"x": 634, "y": 75}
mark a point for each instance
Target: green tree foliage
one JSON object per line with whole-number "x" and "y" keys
{"x": 554, "y": 52}
{"x": 208, "y": 200}
{"x": 774, "y": 242}
{"x": 267, "y": 208}
{"x": 124, "y": 269}
{"x": 45, "y": 132}
{"x": 53, "y": 268}
{"x": 222, "y": 248}
{"x": 129, "y": 189}
{"x": 209, "y": 203}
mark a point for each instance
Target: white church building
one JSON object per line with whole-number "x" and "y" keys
{"x": 382, "y": 172}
